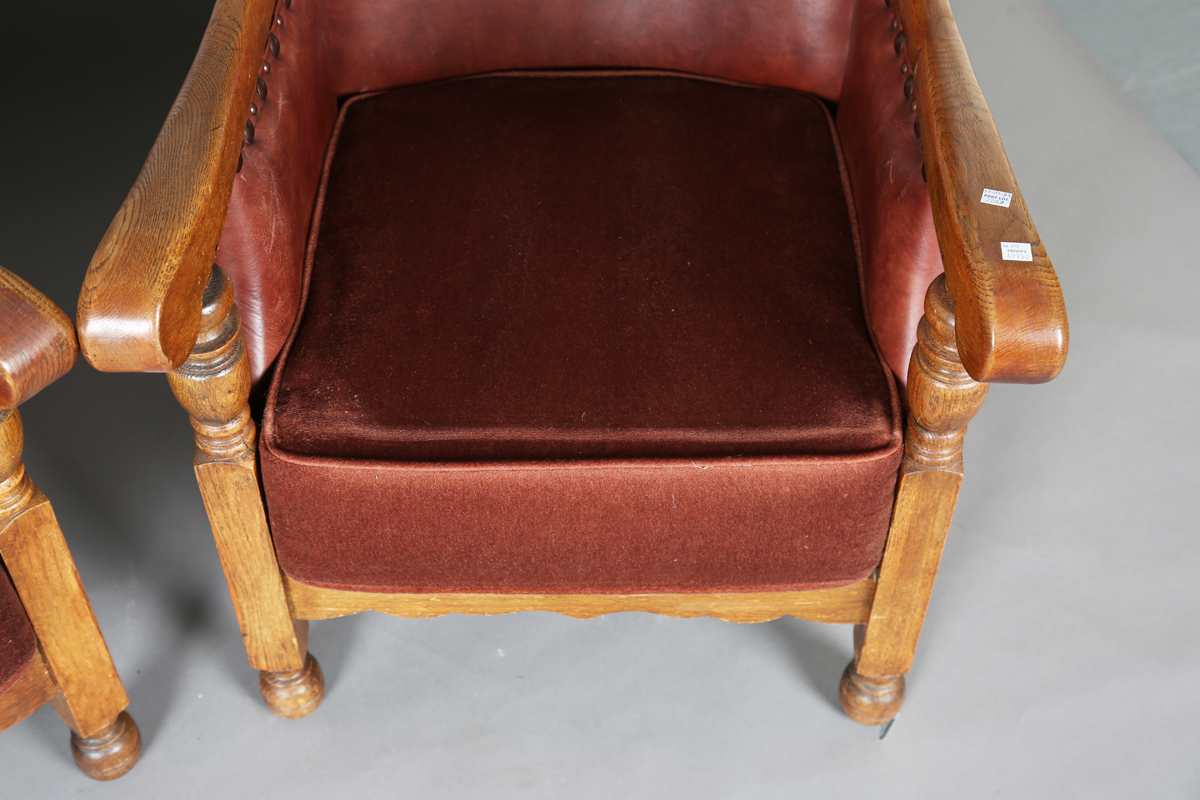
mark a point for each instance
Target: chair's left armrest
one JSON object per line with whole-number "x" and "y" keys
{"x": 37, "y": 341}
{"x": 1010, "y": 321}
{"x": 139, "y": 310}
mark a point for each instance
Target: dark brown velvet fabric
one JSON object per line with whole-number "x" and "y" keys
{"x": 582, "y": 333}
{"x": 528, "y": 268}
{"x": 900, "y": 250}
{"x": 17, "y": 640}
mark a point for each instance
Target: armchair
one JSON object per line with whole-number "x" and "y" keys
{"x": 51, "y": 649}
{"x": 578, "y": 307}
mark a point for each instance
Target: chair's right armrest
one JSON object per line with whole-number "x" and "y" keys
{"x": 139, "y": 310}
{"x": 37, "y": 341}
{"x": 1010, "y": 321}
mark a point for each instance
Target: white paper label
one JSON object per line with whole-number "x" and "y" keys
{"x": 1016, "y": 251}
{"x": 996, "y": 198}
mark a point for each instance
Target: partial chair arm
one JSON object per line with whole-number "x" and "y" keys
{"x": 1010, "y": 320}
{"x": 37, "y": 341}
{"x": 139, "y": 310}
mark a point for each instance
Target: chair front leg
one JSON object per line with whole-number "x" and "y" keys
{"x": 90, "y": 698}
{"x": 942, "y": 400}
{"x": 213, "y": 385}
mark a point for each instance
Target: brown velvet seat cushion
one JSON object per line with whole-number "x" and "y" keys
{"x": 581, "y": 332}
{"x": 17, "y": 640}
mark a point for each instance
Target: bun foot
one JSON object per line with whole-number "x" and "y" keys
{"x": 111, "y": 752}
{"x": 870, "y": 700}
{"x": 293, "y": 695}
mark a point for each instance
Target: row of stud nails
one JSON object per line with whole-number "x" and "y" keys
{"x": 260, "y": 85}
{"x": 909, "y": 83}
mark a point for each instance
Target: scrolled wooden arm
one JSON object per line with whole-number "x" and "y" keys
{"x": 139, "y": 310}
{"x": 1011, "y": 321}
{"x": 37, "y": 341}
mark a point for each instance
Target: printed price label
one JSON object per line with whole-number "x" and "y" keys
{"x": 996, "y": 198}
{"x": 1016, "y": 251}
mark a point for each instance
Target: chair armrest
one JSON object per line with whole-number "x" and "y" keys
{"x": 1011, "y": 324}
{"x": 37, "y": 341}
{"x": 139, "y": 310}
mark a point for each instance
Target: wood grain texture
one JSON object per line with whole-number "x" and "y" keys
{"x": 213, "y": 386}
{"x": 869, "y": 700}
{"x": 140, "y": 305}
{"x": 847, "y": 604}
{"x": 110, "y": 752}
{"x": 295, "y": 694}
{"x": 37, "y": 341}
{"x": 942, "y": 400}
{"x": 37, "y": 559}
{"x": 32, "y": 690}
{"x": 1012, "y": 324}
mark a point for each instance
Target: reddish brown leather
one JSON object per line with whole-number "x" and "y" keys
{"x": 349, "y": 46}
{"x": 380, "y": 44}
{"x": 622, "y": 313}
{"x": 17, "y": 640}
{"x": 900, "y": 249}
{"x": 262, "y": 244}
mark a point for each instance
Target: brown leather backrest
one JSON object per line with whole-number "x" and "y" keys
{"x": 884, "y": 158}
{"x": 378, "y": 44}
{"x": 329, "y": 48}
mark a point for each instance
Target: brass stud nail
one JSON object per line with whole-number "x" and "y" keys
{"x": 249, "y": 132}
{"x": 887, "y": 3}
{"x": 904, "y": 68}
{"x": 899, "y": 42}
{"x": 917, "y": 127}
{"x": 261, "y": 88}
{"x": 279, "y": 20}
{"x": 254, "y": 108}
{"x": 912, "y": 106}
{"x": 273, "y": 43}
{"x": 287, "y": 3}
{"x": 908, "y": 87}
{"x": 266, "y": 67}
{"x": 895, "y": 23}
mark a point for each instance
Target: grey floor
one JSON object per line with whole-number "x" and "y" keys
{"x": 1060, "y": 658}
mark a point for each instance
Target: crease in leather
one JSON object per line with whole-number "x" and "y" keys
{"x": 901, "y": 256}
{"x": 266, "y": 229}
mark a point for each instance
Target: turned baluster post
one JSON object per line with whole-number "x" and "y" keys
{"x": 942, "y": 400}
{"x": 213, "y": 385}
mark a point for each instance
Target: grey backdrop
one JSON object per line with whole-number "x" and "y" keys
{"x": 1060, "y": 657}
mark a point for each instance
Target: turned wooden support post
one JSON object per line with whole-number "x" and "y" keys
{"x": 213, "y": 385}
{"x": 942, "y": 400}
{"x": 89, "y": 696}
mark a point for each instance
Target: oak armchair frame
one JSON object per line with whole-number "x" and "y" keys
{"x": 153, "y": 300}
{"x": 71, "y": 669}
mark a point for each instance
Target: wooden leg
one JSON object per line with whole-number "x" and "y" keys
{"x": 213, "y": 385}
{"x": 111, "y": 752}
{"x": 869, "y": 700}
{"x": 89, "y": 696}
{"x": 942, "y": 400}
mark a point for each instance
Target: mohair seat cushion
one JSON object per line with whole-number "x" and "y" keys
{"x": 581, "y": 332}
{"x": 18, "y": 643}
